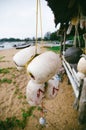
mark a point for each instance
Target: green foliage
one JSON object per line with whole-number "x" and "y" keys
{"x": 28, "y": 113}
{"x": 20, "y": 96}
{"x": 12, "y": 122}
{"x": 53, "y": 36}
{"x": 4, "y": 71}
{"x": 55, "y": 49}
{"x": 16, "y": 90}
{"x": 14, "y": 39}
{"x": 8, "y": 123}
{"x": 39, "y": 108}
{"x": 5, "y": 80}
{"x": 47, "y": 36}
{"x": 10, "y": 40}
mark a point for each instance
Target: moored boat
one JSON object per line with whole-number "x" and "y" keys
{"x": 22, "y": 46}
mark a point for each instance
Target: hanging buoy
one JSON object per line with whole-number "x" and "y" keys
{"x": 34, "y": 93}
{"x": 81, "y": 67}
{"x": 82, "y": 22}
{"x": 69, "y": 29}
{"x": 43, "y": 67}
{"x": 72, "y": 54}
{"x": 24, "y": 56}
{"x": 52, "y": 87}
{"x": 42, "y": 121}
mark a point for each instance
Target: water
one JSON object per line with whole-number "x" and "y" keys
{"x": 8, "y": 45}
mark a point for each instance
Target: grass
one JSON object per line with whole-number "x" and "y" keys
{"x": 13, "y": 122}
{"x": 4, "y": 71}
{"x": 16, "y": 90}
{"x": 20, "y": 96}
{"x": 5, "y": 80}
{"x": 55, "y": 49}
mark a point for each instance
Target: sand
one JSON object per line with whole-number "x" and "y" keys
{"x": 59, "y": 112}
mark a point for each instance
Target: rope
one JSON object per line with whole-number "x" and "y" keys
{"x": 36, "y": 24}
{"x": 40, "y": 19}
{"x": 64, "y": 40}
{"x": 76, "y": 36}
{"x": 38, "y": 10}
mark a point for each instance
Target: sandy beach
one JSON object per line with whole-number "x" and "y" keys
{"x": 59, "y": 112}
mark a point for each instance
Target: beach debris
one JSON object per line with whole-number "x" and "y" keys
{"x": 43, "y": 67}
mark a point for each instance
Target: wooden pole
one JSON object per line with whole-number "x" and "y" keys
{"x": 84, "y": 37}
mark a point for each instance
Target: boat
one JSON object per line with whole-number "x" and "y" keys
{"x": 22, "y": 46}
{"x": 1, "y": 46}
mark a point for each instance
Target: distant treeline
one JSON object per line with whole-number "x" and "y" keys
{"x": 48, "y": 36}
{"x": 14, "y": 39}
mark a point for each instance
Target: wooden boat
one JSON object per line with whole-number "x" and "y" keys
{"x": 22, "y": 46}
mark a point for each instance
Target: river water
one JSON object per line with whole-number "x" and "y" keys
{"x": 8, "y": 45}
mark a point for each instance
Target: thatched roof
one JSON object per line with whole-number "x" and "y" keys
{"x": 65, "y": 10}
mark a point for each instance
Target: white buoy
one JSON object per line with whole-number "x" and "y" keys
{"x": 24, "y": 56}
{"x": 52, "y": 87}
{"x": 81, "y": 67}
{"x": 42, "y": 121}
{"x": 69, "y": 29}
{"x": 43, "y": 67}
{"x": 34, "y": 93}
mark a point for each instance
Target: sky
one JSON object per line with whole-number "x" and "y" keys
{"x": 18, "y": 19}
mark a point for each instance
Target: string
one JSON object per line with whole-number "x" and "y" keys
{"x": 40, "y": 19}
{"x": 38, "y": 8}
{"x": 36, "y": 25}
{"x": 38, "y": 14}
{"x": 76, "y": 36}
